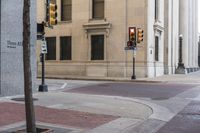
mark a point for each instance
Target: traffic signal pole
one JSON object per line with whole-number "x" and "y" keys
{"x": 47, "y": 10}
{"x": 133, "y": 76}
{"x": 43, "y": 87}
{"x": 42, "y": 56}
{"x": 134, "y": 39}
{"x": 50, "y": 20}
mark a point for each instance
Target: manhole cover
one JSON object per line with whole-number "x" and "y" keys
{"x": 160, "y": 98}
{"x": 21, "y": 99}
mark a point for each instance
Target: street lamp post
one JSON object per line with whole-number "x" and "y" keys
{"x": 181, "y": 68}
{"x": 180, "y": 64}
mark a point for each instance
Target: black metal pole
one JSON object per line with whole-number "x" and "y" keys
{"x": 43, "y": 82}
{"x": 133, "y": 76}
{"x": 199, "y": 52}
{"x": 43, "y": 87}
{"x": 181, "y": 68}
{"x": 180, "y": 64}
{"x": 180, "y": 49}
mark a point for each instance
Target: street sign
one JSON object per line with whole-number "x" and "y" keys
{"x": 130, "y": 48}
{"x": 44, "y": 47}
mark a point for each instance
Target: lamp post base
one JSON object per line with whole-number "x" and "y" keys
{"x": 43, "y": 88}
{"x": 133, "y": 77}
{"x": 181, "y": 69}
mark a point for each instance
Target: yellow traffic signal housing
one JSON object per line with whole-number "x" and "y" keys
{"x": 52, "y": 14}
{"x": 140, "y": 35}
{"x": 132, "y": 34}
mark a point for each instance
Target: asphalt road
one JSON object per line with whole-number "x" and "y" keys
{"x": 154, "y": 91}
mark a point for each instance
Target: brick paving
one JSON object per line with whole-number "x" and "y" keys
{"x": 187, "y": 121}
{"x": 13, "y": 112}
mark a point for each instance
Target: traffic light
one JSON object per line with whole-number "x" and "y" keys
{"x": 52, "y": 14}
{"x": 132, "y": 34}
{"x": 140, "y": 35}
{"x": 40, "y": 31}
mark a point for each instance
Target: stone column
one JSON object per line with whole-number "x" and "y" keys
{"x": 190, "y": 32}
{"x": 193, "y": 26}
{"x": 183, "y": 27}
{"x": 196, "y": 34}
{"x": 183, "y": 37}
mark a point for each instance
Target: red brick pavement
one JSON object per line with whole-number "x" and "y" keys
{"x": 12, "y": 112}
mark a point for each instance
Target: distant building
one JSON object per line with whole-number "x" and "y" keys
{"x": 91, "y": 35}
{"x": 11, "y": 50}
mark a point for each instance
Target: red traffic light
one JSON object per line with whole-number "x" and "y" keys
{"x": 132, "y": 33}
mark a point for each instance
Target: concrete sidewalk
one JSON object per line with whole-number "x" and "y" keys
{"x": 191, "y": 78}
{"x": 74, "y": 112}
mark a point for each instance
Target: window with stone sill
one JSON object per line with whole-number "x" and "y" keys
{"x": 97, "y": 9}
{"x": 51, "y": 48}
{"x": 65, "y": 48}
{"x": 97, "y": 47}
{"x": 156, "y": 48}
{"x": 157, "y": 6}
{"x": 66, "y": 10}
{"x": 53, "y": 1}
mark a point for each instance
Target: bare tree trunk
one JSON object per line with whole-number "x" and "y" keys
{"x": 30, "y": 114}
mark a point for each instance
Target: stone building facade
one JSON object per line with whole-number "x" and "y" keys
{"x": 91, "y": 35}
{"x": 11, "y": 50}
{"x": 181, "y": 18}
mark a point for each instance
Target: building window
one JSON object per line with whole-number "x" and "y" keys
{"x": 51, "y": 48}
{"x": 97, "y": 47}
{"x": 156, "y": 48}
{"x": 53, "y": 1}
{"x": 65, "y": 48}
{"x": 98, "y": 9}
{"x": 66, "y": 10}
{"x": 156, "y": 10}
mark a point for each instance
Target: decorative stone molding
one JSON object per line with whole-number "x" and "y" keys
{"x": 97, "y": 27}
{"x": 158, "y": 28}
